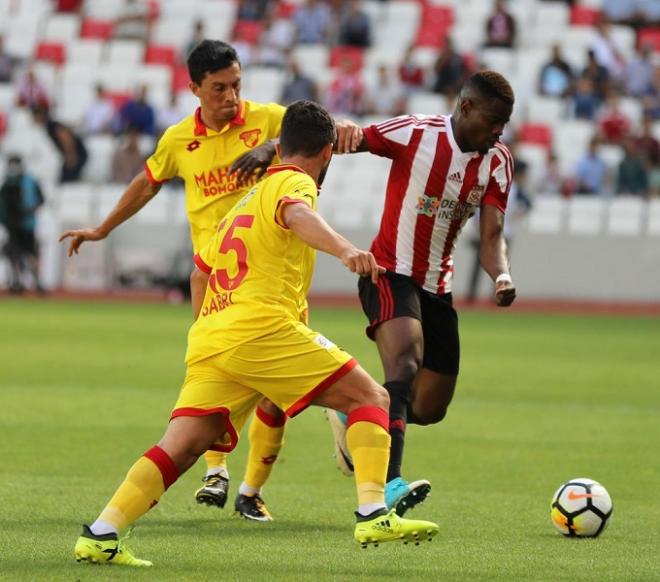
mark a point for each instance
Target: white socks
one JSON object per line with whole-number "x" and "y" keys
{"x": 368, "y": 508}
{"x": 100, "y": 527}
{"x": 247, "y": 490}
{"x": 222, "y": 471}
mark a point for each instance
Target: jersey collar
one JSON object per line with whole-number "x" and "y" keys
{"x": 202, "y": 130}
{"x": 281, "y": 167}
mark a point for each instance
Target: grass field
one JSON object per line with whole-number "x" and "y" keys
{"x": 85, "y": 388}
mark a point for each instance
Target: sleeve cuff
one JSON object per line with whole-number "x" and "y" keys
{"x": 201, "y": 265}
{"x": 284, "y": 201}
{"x": 151, "y": 178}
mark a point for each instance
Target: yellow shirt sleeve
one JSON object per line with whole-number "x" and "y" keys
{"x": 296, "y": 190}
{"x": 204, "y": 257}
{"x": 275, "y": 116}
{"x": 161, "y": 166}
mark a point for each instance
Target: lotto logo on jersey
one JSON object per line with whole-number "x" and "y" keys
{"x": 428, "y": 205}
{"x": 324, "y": 342}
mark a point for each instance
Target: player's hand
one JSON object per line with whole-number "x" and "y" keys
{"x": 254, "y": 162}
{"x": 505, "y": 293}
{"x": 79, "y": 236}
{"x": 363, "y": 263}
{"x": 349, "y": 136}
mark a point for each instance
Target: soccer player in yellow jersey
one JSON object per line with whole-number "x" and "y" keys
{"x": 248, "y": 342}
{"x": 220, "y": 152}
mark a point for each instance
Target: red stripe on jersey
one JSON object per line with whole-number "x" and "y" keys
{"x": 493, "y": 195}
{"x": 398, "y": 123}
{"x": 385, "y": 298}
{"x": 435, "y": 187}
{"x": 509, "y": 162}
{"x": 470, "y": 180}
{"x": 384, "y": 245}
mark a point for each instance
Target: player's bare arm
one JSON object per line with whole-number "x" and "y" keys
{"x": 255, "y": 162}
{"x": 138, "y": 193}
{"x": 493, "y": 254}
{"x": 310, "y": 227}
{"x": 198, "y": 281}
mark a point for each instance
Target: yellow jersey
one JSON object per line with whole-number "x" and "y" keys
{"x": 202, "y": 157}
{"x": 259, "y": 271}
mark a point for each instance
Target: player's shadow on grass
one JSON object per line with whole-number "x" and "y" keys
{"x": 231, "y": 523}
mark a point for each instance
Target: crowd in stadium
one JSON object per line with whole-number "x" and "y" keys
{"x": 604, "y": 86}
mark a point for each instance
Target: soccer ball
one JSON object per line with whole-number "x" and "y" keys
{"x": 581, "y": 507}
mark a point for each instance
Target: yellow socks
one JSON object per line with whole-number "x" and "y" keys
{"x": 143, "y": 486}
{"x": 266, "y": 438}
{"x": 369, "y": 444}
{"x": 216, "y": 462}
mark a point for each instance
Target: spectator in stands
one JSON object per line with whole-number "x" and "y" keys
{"x": 651, "y": 98}
{"x": 7, "y": 64}
{"x": 99, "y": 114}
{"x": 585, "y": 100}
{"x": 632, "y": 176}
{"x": 133, "y": 22}
{"x": 591, "y": 171}
{"x": 649, "y": 148}
{"x": 313, "y": 21}
{"x": 198, "y": 35}
{"x": 385, "y": 97}
{"x": 354, "y": 26}
{"x": 500, "y": 27}
{"x": 127, "y": 159}
{"x": 169, "y": 115}
{"x": 450, "y": 70}
{"x": 638, "y": 73}
{"x": 556, "y": 77}
{"x": 244, "y": 47}
{"x": 598, "y": 75}
{"x": 346, "y": 91}
{"x": 298, "y": 85}
{"x": 137, "y": 113}
{"x": 411, "y": 75}
{"x": 553, "y": 181}
{"x": 31, "y": 92}
{"x": 275, "y": 42}
{"x": 67, "y": 142}
{"x": 20, "y": 197}
{"x": 649, "y": 12}
{"x": 606, "y": 52}
{"x": 613, "y": 123}
{"x": 254, "y": 10}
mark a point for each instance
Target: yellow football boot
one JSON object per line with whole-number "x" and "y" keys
{"x": 105, "y": 549}
{"x": 387, "y": 526}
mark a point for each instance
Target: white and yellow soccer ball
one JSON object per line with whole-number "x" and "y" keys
{"x": 581, "y": 508}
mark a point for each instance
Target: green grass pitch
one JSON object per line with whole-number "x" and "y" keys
{"x": 87, "y": 387}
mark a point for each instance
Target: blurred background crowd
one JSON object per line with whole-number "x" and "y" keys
{"x": 87, "y": 86}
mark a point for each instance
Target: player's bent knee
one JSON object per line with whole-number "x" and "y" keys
{"x": 432, "y": 416}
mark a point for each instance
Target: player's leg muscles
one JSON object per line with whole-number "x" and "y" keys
{"x": 431, "y": 395}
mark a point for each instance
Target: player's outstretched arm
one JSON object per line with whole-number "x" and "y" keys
{"x": 138, "y": 193}
{"x": 493, "y": 254}
{"x": 310, "y": 227}
{"x": 255, "y": 162}
{"x": 350, "y": 137}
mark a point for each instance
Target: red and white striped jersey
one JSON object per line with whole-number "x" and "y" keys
{"x": 432, "y": 190}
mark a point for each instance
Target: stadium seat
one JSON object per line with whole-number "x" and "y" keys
{"x": 263, "y": 84}
{"x": 21, "y": 37}
{"x": 285, "y": 9}
{"x": 535, "y": 133}
{"x": 248, "y": 31}
{"x": 100, "y": 149}
{"x": 536, "y": 157}
{"x": 502, "y": 60}
{"x": 173, "y": 32}
{"x": 653, "y": 225}
{"x": 74, "y": 204}
{"x": 218, "y": 17}
{"x": 425, "y": 56}
{"x": 158, "y": 80}
{"x": 585, "y": 215}
{"x": 650, "y": 36}
{"x": 93, "y": 28}
{"x": 584, "y": 15}
{"x": 7, "y": 96}
{"x": 312, "y": 59}
{"x": 3, "y": 123}
{"x": 102, "y": 9}
{"x": 625, "y": 215}
{"x": 611, "y": 155}
{"x": 117, "y": 78}
{"x": 85, "y": 51}
{"x": 73, "y": 101}
{"x": 51, "y": 52}
{"x": 61, "y": 28}
{"x": 624, "y": 38}
{"x": 161, "y": 54}
{"x": 125, "y": 53}
{"x": 180, "y": 79}
{"x": 547, "y": 215}
{"x": 435, "y": 25}
{"x": 427, "y": 104}
{"x": 340, "y": 53}
{"x": 546, "y": 110}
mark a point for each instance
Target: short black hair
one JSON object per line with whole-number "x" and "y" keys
{"x": 492, "y": 85}
{"x": 210, "y": 56}
{"x": 306, "y": 129}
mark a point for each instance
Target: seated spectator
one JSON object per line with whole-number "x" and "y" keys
{"x": 598, "y": 75}
{"x": 649, "y": 149}
{"x": 198, "y": 35}
{"x": 298, "y": 86}
{"x": 133, "y": 22}
{"x": 169, "y": 115}
{"x": 632, "y": 176}
{"x": 313, "y": 21}
{"x": 585, "y": 100}
{"x": 638, "y": 72}
{"x": 556, "y": 77}
{"x": 500, "y": 27}
{"x": 411, "y": 74}
{"x": 99, "y": 114}
{"x": 346, "y": 91}
{"x": 385, "y": 97}
{"x": 275, "y": 42}
{"x": 127, "y": 159}
{"x": 7, "y": 64}
{"x": 137, "y": 113}
{"x": 553, "y": 181}
{"x": 31, "y": 92}
{"x": 354, "y": 26}
{"x": 591, "y": 171}
{"x": 606, "y": 52}
{"x": 649, "y": 12}
{"x": 651, "y": 97}
{"x": 68, "y": 143}
{"x": 620, "y": 11}
{"x": 255, "y": 10}
{"x": 450, "y": 70}
{"x": 613, "y": 123}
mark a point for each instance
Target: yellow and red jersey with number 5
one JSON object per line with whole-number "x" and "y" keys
{"x": 259, "y": 271}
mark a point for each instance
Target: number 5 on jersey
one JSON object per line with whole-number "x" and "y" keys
{"x": 231, "y": 242}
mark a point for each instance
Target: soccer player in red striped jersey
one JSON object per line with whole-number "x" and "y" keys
{"x": 444, "y": 168}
